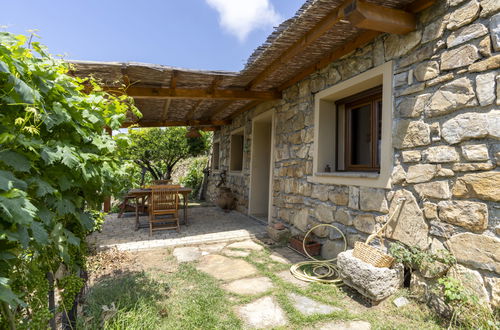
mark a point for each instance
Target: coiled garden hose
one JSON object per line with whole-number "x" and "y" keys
{"x": 315, "y": 270}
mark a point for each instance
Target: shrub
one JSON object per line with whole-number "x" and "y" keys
{"x": 194, "y": 176}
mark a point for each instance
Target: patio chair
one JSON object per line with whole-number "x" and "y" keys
{"x": 163, "y": 209}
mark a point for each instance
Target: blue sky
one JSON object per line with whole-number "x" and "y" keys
{"x": 196, "y": 34}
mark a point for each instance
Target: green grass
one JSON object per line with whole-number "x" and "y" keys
{"x": 190, "y": 299}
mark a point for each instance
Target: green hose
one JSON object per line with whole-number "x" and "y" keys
{"x": 322, "y": 271}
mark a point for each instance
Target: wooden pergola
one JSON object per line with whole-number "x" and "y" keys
{"x": 320, "y": 33}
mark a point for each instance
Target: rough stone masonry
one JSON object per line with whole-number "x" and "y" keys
{"x": 446, "y": 131}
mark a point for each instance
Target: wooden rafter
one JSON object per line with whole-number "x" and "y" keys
{"x": 311, "y": 36}
{"x": 369, "y": 16}
{"x": 362, "y": 39}
{"x": 192, "y": 93}
{"x": 196, "y": 123}
{"x": 165, "y": 109}
{"x": 173, "y": 80}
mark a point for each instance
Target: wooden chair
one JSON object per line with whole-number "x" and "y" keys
{"x": 163, "y": 209}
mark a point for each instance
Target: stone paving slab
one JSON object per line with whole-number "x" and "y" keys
{"x": 206, "y": 225}
{"x": 225, "y": 268}
{"x": 249, "y": 286}
{"x": 308, "y": 306}
{"x": 286, "y": 256}
{"x": 263, "y": 313}
{"x": 246, "y": 245}
{"x": 288, "y": 277}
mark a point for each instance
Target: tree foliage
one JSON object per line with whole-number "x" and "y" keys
{"x": 158, "y": 150}
{"x": 57, "y": 164}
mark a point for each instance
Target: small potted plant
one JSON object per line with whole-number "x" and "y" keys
{"x": 313, "y": 248}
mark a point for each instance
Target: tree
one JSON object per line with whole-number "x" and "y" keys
{"x": 158, "y": 150}
{"x": 56, "y": 166}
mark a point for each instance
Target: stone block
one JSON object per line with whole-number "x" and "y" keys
{"x": 300, "y": 219}
{"x": 412, "y": 107}
{"x": 475, "y": 152}
{"x": 441, "y": 229}
{"x": 324, "y": 213}
{"x": 476, "y": 251}
{"x": 427, "y": 70}
{"x": 430, "y": 210}
{"x": 441, "y": 154}
{"x": 435, "y": 189}
{"x": 465, "y": 126}
{"x": 465, "y": 34}
{"x": 433, "y": 30}
{"x": 489, "y": 7}
{"x": 370, "y": 281}
{"x": 409, "y": 133}
{"x": 484, "y": 46}
{"x": 339, "y": 196}
{"x": 353, "y": 197}
{"x": 469, "y": 167}
{"x": 421, "y": 173}
{"x": 320, "y": 192}
{"x": 463, "y": 15}
{"x": 372, "y": 199}
{"x": 411, "y": 156}
{"x": 490, "y": 63}
{"x": 493, "y": 285}
{"x": 478, "y": 185}
{"x": 459, "y": 57}
{"x": 452, "y": 96}
{"x": 396, "y": 45}
{"x": 364, "y": 223}
{"x": 485, "y": 88}
{"x": 330, "y": 249}
{"x": 344, "y": 217}
{"x": 398, "y": 175}
{"x": 495, "y": 31}
{"x": 469, "y": 215}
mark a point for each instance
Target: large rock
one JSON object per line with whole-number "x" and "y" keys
{"x": 372, "y": 282}
{"x": 330, "y": 249}
{"x": 421, "y": 173}
{"x": 372, "y": 199}
{"x": 224, "y": 268}
{"x": 339, "y": 196}
{"x": 263, "y": 313}
{"x": 459, "y": 57}
{"x": 489, "y": 7}
{"x": 187, "y": 254}
{"x": 441, "y": 154}
{"x": 301, "y": 219}
{"x": 397, "y": 45}
{"x": 471, "y": 280}
{"x": 463, "y": 15}
{"x": 469, "y": 215}
{"x": 248, "y": 286}
{"x": 408, "y": 225}
{"x": 475, "y": 152}
{"x": 410, "y": 133}
{"x": 452, "y": 96}
{"x": 435, "y": 189}
{"x": 411, "y": 156}
{"x": 465, "y": 126}
{"x": 354, "y": 197}
{"x": 483, "y": 185}
{"x": 468, "y": 167}
{"x": 344, "y": 217}
{"x": 477, "y": 251}
{"x": 485, "y": 88}
{"x": 307, "y": 306}
{"x": 493, "y": 284}
{"x": 433, "y": 30}
{"x": 412, "y": 107}
{"x": 465, "y": 34}
{"x": 427, "y": 70}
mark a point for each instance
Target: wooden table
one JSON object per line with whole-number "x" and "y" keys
{"x": 138, "y": 193}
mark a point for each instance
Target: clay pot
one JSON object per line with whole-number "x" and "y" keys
{"x": 226, "y": 199}
{"x": 279, "y": 226}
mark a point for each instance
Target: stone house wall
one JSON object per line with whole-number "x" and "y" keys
{"x": 446, "y": 132}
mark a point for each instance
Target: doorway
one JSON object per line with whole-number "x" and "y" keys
{"x": 260, "y": 202}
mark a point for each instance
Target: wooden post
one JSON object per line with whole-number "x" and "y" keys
{"x": 107, "y": 202}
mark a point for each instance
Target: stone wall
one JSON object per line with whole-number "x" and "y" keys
{"x": 446, "y": 129}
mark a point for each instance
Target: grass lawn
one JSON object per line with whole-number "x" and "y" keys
{"x": 150, "y": 290}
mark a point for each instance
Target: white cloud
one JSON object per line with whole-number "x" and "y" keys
{"x": 240, "y": 17}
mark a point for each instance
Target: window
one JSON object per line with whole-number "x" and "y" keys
{"x": 215, "y": 156}
{"x": 359, "y": 125}
{"x": 353, "y": 130}
{"x": 236, "y": 163}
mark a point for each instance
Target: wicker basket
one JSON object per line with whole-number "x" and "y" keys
{"x": 372, "y": 255}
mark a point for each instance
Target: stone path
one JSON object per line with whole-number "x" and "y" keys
{"x": 224, "y": 262}
{"x": 206, "y": 225}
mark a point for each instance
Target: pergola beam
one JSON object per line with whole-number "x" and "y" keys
{"x": 369, "y": 16}
{"x": 192, "y": 93}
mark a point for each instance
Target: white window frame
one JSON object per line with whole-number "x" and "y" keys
{"x": 325, "y": 130}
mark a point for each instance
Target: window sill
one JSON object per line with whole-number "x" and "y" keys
{"x": 366, "y": 175}
{"x": 236, "y": 173}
